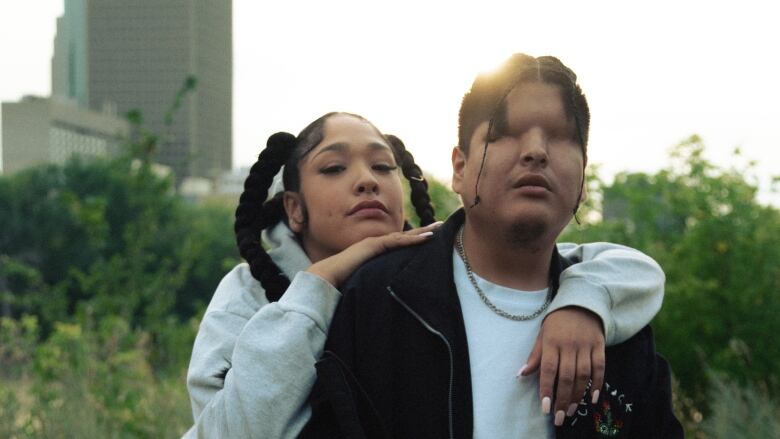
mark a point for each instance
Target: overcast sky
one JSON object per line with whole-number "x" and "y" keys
{"x": 654, "y": 72}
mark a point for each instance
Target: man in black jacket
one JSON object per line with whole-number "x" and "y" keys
{"x": 418, "y": 330}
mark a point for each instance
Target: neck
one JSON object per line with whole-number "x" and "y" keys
{"x": 522, "y": 266}
{"x": 315, "y": 252}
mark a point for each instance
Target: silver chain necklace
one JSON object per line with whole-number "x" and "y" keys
{"x": 494, "y": 308}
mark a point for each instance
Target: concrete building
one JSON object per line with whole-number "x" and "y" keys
{"x": 124, "y": 55}
{"x": 40, "y": 130}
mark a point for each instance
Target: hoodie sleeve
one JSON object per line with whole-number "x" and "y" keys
{"x": 623, "y": 286}
{"x": 267, "y": 362}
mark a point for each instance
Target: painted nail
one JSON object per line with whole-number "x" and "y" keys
{"x": 559, "y": 418}
{"x": 426, "y": 234}
{"x": 546, "y": 405}
{"x": 572, "y": 409}
{"x": 595, "y": 397}
{"x": 520, "y": 372}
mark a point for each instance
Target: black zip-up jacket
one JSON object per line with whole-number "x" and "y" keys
{"x": 396, "y": 362}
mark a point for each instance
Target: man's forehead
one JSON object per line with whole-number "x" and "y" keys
{"x": 535, "y": 96}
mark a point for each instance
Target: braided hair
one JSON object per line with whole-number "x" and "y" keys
{"x": 417, "y": 183}
{"x": 486, "y": 101}
{"x": 254, "y": 214}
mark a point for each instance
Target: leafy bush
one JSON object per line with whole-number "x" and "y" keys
{"x": 92, "y": 382}
{"x": 721, "y": 253}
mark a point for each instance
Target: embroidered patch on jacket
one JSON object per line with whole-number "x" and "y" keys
{"x": 603, "y": 422}
{"x": 608, "y": 415}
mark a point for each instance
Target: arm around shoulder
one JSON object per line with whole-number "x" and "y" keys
{"x": 621, "y": 285}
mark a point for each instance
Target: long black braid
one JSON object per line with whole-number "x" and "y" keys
{"x": 253, "y": 215}
{"x": 421, "y": 200}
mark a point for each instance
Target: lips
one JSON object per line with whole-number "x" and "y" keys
{"x": 363, "y": 205}
{"x": 532, "y": 180}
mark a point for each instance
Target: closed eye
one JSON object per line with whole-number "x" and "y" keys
{"x": 332, "y": 169}
{"x": 384, "y": 167}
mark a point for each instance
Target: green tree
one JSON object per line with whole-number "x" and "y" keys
{"x": 720, "y": 249}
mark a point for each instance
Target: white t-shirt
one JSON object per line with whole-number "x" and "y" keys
{"x": 504, "y": 406}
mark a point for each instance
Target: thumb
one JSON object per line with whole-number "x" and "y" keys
{"x": 534, "y": 359}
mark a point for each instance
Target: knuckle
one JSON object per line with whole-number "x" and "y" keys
{"x": 549, "y": 368}
{"x": 565, "y": 380}
{"x": 565, "y": 343}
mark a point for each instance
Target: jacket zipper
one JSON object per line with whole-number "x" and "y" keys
{"x": 446, "y": 342}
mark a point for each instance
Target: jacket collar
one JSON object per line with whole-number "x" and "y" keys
{"x": 427, "y": 280}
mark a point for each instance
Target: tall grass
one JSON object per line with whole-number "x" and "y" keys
{"x": 100, "y": 382}
{"x": 89, "y": 384}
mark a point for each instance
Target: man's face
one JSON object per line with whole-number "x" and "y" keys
{"x": 533, "y": 172}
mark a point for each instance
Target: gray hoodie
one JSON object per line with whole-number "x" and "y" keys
{"x": 269, "y": 349}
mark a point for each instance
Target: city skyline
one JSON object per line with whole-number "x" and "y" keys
{"x": 656, "y": 75}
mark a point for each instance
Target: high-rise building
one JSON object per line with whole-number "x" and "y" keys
{"x": 123, "y": 55}
{"x": 39, "y": 130}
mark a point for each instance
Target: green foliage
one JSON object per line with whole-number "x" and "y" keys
{"x": 17, "y": 342}
{"x": 91, "y": 381}
{"x": 107, "y": 238}
{"x": 740, "y": 412}
{"x": 9, "y": 408}
{"x": 103, "y": 270}
{"x": 720, "y": 249}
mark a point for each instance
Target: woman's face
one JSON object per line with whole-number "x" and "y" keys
{"x": 350, "y": 189}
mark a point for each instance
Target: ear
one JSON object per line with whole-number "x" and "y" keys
{"x": 584, "y": 192}
{"x": 458, "y": 168}
{"x": 293, "y": 207}
{"x": 584, "y": 188}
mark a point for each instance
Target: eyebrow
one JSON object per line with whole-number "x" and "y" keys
{"x": 341, "y": 147}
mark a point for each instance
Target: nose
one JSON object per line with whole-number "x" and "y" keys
{"x": 533, "y": 150}
{"x": 366, "y": 181}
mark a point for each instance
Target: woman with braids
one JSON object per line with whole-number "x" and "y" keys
{"x": 252, "y": 365}
{"x": 253, "y": 362}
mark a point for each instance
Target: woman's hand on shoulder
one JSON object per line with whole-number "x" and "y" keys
{"x": 569, "y": 348}
{"x": 337, "y": 268}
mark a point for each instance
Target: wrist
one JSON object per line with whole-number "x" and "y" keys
{"x": 320, "y": 269}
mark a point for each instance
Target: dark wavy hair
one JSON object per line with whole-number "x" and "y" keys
{"x": 254, "y": 213}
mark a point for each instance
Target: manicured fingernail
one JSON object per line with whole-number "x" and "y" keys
{"x": 546, "y": 405}
{"x": 426, "y": 234}
{"x": 559, "y": 418}
{"x": 595, "y": 397}
{"x": 437, "y": 224}
{"x": 520, "y": 372}
{"x": 572, "y": 409}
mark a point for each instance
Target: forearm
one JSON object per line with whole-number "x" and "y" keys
{"x": 623, "y": 286}
{"x": 272, "y": 371}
